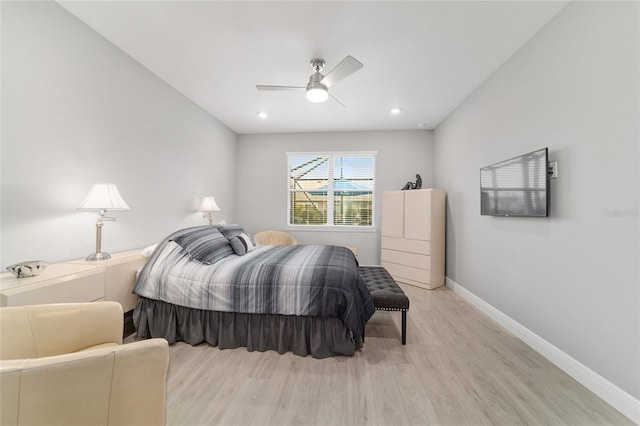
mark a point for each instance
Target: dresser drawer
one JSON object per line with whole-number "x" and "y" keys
{"x": 409, "y": 272}
{"x": 403, "y": 258}
{"x": 413, "y": 246}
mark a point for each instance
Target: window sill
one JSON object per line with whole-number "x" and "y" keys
{"x": 328, "y": 228}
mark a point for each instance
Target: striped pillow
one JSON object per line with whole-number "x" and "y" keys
{"x": 241, "y": 244}
{"x": 204, "y": 244}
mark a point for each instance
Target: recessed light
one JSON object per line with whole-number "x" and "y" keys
{"x": 422, "y": 125}
{"x": 263, "y": 115}
{"x": 395, "y": 111}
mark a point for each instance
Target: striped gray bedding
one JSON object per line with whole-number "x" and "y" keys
{"x": 300, "y": 280}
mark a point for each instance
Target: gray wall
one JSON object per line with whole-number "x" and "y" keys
{"x": 262, "y": 178}
{"x": 572, "y": 278}
{"x": 75, "y": 111}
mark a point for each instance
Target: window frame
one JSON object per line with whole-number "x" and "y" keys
{"x": 330, "y": 200}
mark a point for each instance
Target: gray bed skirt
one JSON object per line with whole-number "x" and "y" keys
{"x": 315, "y": 336}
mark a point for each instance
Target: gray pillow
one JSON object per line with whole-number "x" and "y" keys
{"x": 231, "y": 231}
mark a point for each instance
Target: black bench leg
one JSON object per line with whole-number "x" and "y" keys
{"x": 404, "y": 327}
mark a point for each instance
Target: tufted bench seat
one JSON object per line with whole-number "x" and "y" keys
{"x": 386, "y": 293}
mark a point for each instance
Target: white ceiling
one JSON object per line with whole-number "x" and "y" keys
{"x": 423, "y": 57}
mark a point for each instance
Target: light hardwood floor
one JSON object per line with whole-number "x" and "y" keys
{"x": 458, "y": 368}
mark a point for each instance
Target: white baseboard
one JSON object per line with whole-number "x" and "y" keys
{"x": 612, "y": 394}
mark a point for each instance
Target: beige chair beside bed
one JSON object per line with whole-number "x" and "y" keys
{"x": 65, "y": 364}
{"x": 274, "y": 238}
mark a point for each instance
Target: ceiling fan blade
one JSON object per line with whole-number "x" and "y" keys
{"x": 263, "y": 87}
{"x": 336, "y": 99}
{"x": 348, "y": 66}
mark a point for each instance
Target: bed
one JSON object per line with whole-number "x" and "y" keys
{"x": 210, "y": 284}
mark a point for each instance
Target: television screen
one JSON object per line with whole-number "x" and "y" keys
{"x": 516, "y": 187}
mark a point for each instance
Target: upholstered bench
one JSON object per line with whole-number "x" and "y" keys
{"x": 386, "y": 293}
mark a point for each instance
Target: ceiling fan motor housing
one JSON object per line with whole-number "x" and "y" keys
{"x": 314, "y": 82}
{"x": 316, "y": 91}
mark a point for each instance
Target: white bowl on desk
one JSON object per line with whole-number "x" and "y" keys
{"x": 29, "y": 268}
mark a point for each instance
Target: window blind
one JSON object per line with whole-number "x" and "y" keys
{"x": 331, "y": 189}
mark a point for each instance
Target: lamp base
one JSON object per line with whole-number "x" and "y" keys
{"x": 98, "y": 256}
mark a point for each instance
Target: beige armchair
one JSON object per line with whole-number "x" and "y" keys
{"x": 65, "y": 364}
{"x": 274, "y": 238}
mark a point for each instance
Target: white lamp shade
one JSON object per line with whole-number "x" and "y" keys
{"x": 104, "y": 196}
{"x": 208, "y": 204}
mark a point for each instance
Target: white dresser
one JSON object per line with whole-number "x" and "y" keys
{"x": 77, "y": 281}
{"x": 413, "y": 230}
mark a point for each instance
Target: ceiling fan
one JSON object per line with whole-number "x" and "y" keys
{"x": 319, "y": 84}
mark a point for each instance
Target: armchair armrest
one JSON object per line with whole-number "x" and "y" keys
{"x": 118, "y": 385}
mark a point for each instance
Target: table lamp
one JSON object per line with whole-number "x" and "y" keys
{"x": 208, "y": 206}
{"x": 102, "y": 197}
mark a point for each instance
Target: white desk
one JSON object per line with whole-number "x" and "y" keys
{"x": 77, "y": 281}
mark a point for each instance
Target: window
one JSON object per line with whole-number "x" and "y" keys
{"x": 331, "y": 189}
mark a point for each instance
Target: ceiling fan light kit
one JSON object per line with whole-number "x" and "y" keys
{"x": 318, "y": 86}
{"x": 317, "y": 94}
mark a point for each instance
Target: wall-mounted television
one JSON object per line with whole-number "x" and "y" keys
{"x": 516, "y": 187}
